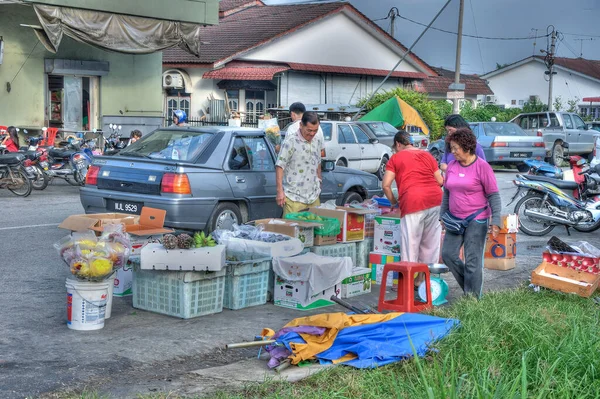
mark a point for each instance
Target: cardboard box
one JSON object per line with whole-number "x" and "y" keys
{"x": 94, "y": 221}
{"x": 565, "y": 280}
{"x": 499, "y": 263}
{"x": 124, "y": 280}
{"x": 304, "y": 231}
{"x": 324, "y": 240}
{"x": 377, "y": 275}
{"x": 151, "y": 222}
{"x": 206, "y": 259}
{"x": 297, "y": 295}
{"x": 504, "y": 246}
{"x": 352, "y": 221}
{"x": 358, "y": 283}
{"x": 509, "y": 224}
{"x": 387, "y": 234}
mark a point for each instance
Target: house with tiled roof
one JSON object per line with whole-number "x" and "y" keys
{"x": 266, "y": 56}
{"x": 437, "y": 86}
{"x": 575, "y": 79}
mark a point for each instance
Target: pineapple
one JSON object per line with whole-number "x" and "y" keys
{"x": 170, "y": 241}
{"x": 185, "y": 241}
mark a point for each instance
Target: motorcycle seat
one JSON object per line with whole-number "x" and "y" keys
{"x": 562, "y": 184}
{"x": 56, "y": 153}
{"x": 13, "y": 158}
{"x": 31, "y": 155}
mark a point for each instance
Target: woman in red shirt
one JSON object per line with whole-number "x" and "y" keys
{"x": 419, "y": 182}
{"x": 11, "y": 142}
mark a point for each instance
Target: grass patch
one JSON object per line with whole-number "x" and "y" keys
{"x": 511, "y": 344}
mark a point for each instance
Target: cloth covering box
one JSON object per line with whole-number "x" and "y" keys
{"x": 503, "y": 246}
{"x": 304, "y": 231}
{"x": 387, "y": 234}
{"x": 358, "y": 283}
{"x": 565, "y": 280}
{"x": 352, "y": 221}
{"x": 157, "y": 257}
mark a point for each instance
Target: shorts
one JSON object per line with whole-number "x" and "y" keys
{"x": 295, "y": 207}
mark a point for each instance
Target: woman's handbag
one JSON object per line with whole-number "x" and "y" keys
{"x": 456, "y": 225}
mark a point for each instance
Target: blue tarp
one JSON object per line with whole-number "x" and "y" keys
{"x": 379, "y": 344}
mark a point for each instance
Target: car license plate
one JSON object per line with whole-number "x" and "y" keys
{"x": 520, "y": 154}
{"x": 124, "y": 206}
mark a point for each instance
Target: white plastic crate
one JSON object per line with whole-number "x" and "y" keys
{"x": 337, "y": 250}
{"x": 246, "y": 283}
{"x": 179, "y": 294}
{"x": 363, "y": 249}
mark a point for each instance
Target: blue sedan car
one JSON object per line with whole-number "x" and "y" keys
{"x": 503, "y": 143}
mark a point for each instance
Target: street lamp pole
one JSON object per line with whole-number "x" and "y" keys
{"x": 456, "y": 108}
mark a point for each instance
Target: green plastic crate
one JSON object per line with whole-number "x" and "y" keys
{"x": 337, "y": 250}
{"x": 246, "y": 283}
{"x": 178, "y": 294}
{"x": 363, "y": 249}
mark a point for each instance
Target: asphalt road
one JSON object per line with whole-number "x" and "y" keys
{"x": 137, "y": 351}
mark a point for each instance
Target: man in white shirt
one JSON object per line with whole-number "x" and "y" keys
{"x": 298, "y": 109}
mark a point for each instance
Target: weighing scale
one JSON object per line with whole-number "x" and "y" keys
{"x": 439, "y": 287}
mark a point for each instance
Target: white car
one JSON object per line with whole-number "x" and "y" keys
{"x": 349, "y": 145}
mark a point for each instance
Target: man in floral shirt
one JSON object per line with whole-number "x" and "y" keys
{"x": 298, "y": 168}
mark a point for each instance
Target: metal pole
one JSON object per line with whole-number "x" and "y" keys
{"x": 456, "y": 101}
{"x": 399, "y": 62}
{"x": 551, "y": 69}
{"x": 250, "y": 344}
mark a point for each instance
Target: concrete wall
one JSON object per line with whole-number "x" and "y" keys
{"x": 133, "y": 85}
{"x": 529, "y": 79}
{"x": 336, "y": 40}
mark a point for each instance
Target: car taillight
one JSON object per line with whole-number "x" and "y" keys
{"x": 499, "y": 144}
{"x": 175, "y": 183}
{"x": 424, "y": 143}
{"x": 91, "y": 178}
{"x": 323, "y": 153}
{"x": 538, "y": 144}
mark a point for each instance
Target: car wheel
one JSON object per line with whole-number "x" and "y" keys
{"x": 381, "y": 170}
{"x": 341, "y": 162}
{"x": 558, "y": 152}
{"x": 352, "y": 197}
{"x": 224, "y": 216}
{"x": 521, "y": 167}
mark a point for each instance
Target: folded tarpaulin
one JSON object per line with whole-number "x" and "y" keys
{"x": 367, "y": 341}
{"x": 121, "y": 33}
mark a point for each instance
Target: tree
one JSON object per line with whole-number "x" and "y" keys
{"x": 534, "y": 105}
{"x": 558, "y": 104}
{"x": 572, "y": 104}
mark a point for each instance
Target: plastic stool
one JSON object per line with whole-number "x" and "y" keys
{"x": 405, "y": 301}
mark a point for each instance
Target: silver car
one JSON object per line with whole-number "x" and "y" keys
{"x": 505, "y": 143}
{"x": 205, "y": 178}
{"x": 557, "y": 128}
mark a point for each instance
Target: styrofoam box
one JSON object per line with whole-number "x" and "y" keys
{"x": 179, "y": 294}
{"x": 358, "y": 283}
{"x": 297, "y": 295}
{"x": 246, "y": 283}
{"x": 138, "y": 242}
{"x": 157, "y": 257}
{"x": 337, "y": 250}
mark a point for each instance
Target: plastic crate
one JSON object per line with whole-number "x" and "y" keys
{"x": 179, "y": 294}
{"x": 363, "y": 249}
{"x": 246, "y": 283}
{"x": 337, "y": 250}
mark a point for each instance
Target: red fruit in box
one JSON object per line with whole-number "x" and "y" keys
{"x": 575, "y": 257}
{"x": 556, "y": 258}
{"x": 566, "y": 258}
{"x": 547, "y": 257}
{"x": 585, "y": 263}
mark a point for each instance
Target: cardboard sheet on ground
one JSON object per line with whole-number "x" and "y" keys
{"x": 366, "y": 341}
{"x": 321, "y": 272}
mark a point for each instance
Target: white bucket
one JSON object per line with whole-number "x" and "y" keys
{"x": 111, "y": 288}
{"x": 86, "y": 304}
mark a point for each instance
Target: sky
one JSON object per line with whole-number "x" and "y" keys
{"x": 573, "y": 19}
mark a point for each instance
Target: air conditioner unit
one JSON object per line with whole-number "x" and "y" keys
{"x": 491, "y": 99}
{"x": 172, "y": 81}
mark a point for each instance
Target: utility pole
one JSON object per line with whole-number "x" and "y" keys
{"x": 457, "y": 86}
{"x": 392, "y": 15}
{"x": 550, "y": 64}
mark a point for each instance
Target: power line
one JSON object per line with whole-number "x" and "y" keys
{"x": 471, "y": 36}
{"x": 579, "y": 34}
{"x": 477, "y": 33}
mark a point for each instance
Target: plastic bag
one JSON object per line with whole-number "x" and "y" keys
{"x": 586, "y": 248}
{"x": 330, "y": 227}
{"x": 328, "y": 205}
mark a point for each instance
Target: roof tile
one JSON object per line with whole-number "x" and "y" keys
{"x": 474, "y": 85}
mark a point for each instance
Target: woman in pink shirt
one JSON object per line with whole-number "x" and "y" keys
{"x": 470, "y": 186}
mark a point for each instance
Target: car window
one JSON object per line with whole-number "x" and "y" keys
{"x": 251, "y": 153}
{"x": 578, "y": 122}
{"x": 523, "y": 122}
{"x": 326, "y": 127}
{"x": 554, "y": 120}
{"x": 361, "y": 136}
{"x": 533, "y": 121}
{"x": 177, "y": 145}
{"x": 345, "y": 135}
{"x": 502, "y": 129}
{"x": 568, "y": 122}
{"x": 475, "y": 129}
{"x": 382, "y": 129}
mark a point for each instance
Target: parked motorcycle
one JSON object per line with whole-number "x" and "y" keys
{"x": 114, "y": 143}
{"x": 13, "y": 175}
{"x": 69, "y": 162}
{"x": 547, "y": 204}
{"x": 34, "y": 157}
